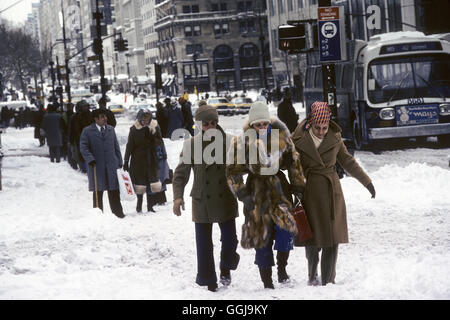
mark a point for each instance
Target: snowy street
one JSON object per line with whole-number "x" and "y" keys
{"x": 53, "y": 245}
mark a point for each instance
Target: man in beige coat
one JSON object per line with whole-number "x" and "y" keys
{"x": 212, "y": 201}
{"x": 318, "y": 140}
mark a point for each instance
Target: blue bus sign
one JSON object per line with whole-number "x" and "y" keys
{"x": 332, "y": 46}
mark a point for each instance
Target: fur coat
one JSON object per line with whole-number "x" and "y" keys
{"x": 266, "y": 183}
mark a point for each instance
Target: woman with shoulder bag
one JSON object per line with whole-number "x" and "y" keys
{"x": 144, "y": 166}
{"x": 318, "y": 140}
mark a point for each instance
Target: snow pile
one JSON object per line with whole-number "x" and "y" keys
{"x": 53, "y": 245}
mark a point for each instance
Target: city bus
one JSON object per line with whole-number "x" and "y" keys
{"x": 396, "y": 85}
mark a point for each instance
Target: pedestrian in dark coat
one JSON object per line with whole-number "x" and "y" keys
{"x": 100, "y": 148}
{"x": 53, "y": 125}
{"x": 163, "y": 167}
{"x": 267, "y": 193}
{"x": 174, "y": 118}
{"x": 286, "y": 112}
{"x": 212, "y": 200}
{"x": 143, "y": 166}
{"x": 161, "y": 117}
{"x": 38, "y": 117}
{"x": 111, "y": 118}
{"x": 187, "y": 115}
{"x": 82, "y": 119}
{"x": 319, "y": 141}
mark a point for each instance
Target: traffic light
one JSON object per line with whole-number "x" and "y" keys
{"x": 97, "y": 46}
{"x": 292, "y": 38}
{"x": 120, "y": 45}
{"x": 124, "y": 46}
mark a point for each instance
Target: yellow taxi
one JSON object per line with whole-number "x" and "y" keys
{"x": 242, "y": 104}
{"x": 222, "y": 105}
{"x": 116, "y": 108}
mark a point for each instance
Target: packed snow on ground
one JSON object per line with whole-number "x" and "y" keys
{"x": 53, "y": 245}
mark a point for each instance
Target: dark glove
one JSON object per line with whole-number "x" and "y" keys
{"x": 298, "y": 196}
{"x": 92, "y": 163}
{"x": 125, "y": 166}
{"x": 371, "y": 189}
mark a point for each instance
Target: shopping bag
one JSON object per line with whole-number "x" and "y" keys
{"x": 126, "y": 186}
{"x": 304, "y": 230}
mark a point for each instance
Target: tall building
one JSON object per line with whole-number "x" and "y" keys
{"x": 212, "y": 45}
{"x": 151, "y": 52}
{"x": 129, "y": 24}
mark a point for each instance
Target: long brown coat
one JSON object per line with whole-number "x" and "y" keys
{"x": 271, "y": 193}
{"x": 212, "y": 199}
{"x": 323, "y": 198}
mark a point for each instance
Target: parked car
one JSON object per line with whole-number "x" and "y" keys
{"x": 134, "y": 109}
{"x": 222, "y": 104}
{"x": 116, "y": 108}
{"x": 242, "y": 104}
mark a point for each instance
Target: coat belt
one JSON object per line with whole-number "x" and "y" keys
{"x": 326, "y": 172}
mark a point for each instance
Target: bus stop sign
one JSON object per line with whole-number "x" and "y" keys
{"x": 331, "y": 30}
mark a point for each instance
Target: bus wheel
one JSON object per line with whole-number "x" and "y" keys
{"x": 357, "y": 138}
{"x": 444, "y": 140}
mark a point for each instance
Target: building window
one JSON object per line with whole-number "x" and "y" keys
{"x": 243, "y": 6}
{"x": 197, "y": 31}
{"x": 290, "y": 5}
{"x": 191, "y": 9}
{"x": 218, "y": 7}
{"x": 188, "y": 31}
{"x": 247, "y": 26}
{"x": 221, "y": 28}
{"x": 192, "y": 48}
{"x": 300, "y": 4}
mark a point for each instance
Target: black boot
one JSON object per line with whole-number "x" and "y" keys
{"x": 282, "y": 258}
{"x": 140, "y": 197}
{"x": 150, "y": 203}
{"x": 266, "y": 277}
{"x": 213, "y": 287}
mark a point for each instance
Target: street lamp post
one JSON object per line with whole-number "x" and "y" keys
{"x": 128, "y": 72}
{"x": 66, "y": 60}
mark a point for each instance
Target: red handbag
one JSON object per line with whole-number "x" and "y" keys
{"x": 304, "y": 230}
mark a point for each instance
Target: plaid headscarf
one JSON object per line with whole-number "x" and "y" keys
{"x": 319, "y": 114}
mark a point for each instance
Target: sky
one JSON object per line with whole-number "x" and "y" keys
{"x": 17, "y": 13}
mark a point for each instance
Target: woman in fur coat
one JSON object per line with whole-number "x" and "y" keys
{"x": 262, "y": 151}
{"x": 319, "y": 141}
{"x": 144, "y": 166}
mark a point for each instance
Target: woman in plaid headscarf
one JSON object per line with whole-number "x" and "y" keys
{"x": 319, "y": 142}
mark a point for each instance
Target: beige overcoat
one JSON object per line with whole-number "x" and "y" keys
{"x": 323, "y": 199}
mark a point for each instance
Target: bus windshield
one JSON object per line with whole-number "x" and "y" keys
{"x": 397, "y": 78}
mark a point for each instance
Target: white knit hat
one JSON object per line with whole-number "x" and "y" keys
{"x": 259, "y": 111}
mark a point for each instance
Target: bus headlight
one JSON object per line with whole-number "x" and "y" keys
{"x": 387, "y": 113}
{"x": 444, "y": 109}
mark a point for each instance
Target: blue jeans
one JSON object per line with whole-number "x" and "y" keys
{"x": 229, "y": 258}
{"x": 284, "y": 242}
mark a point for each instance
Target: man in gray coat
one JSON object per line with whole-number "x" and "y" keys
{"x": 100, "y": 149}
{"x": 212, "y": 202}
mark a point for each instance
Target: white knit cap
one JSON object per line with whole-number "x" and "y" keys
{"x": 259, "y": 111}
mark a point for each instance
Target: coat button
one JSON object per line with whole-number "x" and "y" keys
{"x": 207, "y": 182}
{"x": 207, "y": 196}
{"x": 220, "y": 195}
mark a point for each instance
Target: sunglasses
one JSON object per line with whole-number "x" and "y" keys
{"x": 261, "y": 124}
{"x": 207, "y": 123}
